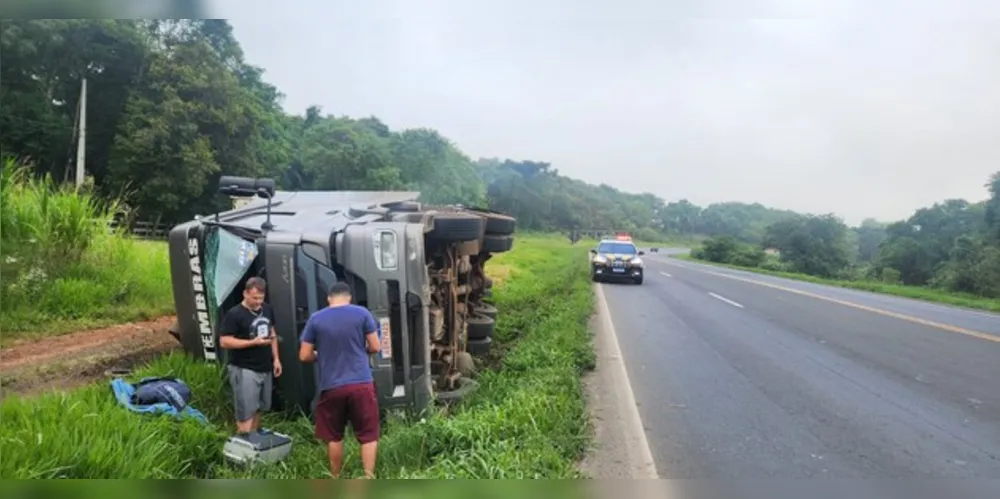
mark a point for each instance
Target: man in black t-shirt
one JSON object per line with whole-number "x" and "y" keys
{"x": 247, "y": 331}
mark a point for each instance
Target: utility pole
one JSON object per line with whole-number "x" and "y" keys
{"x": 81, "y": 144}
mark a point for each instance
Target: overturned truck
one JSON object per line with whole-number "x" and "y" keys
{"x": 419, "y": 269}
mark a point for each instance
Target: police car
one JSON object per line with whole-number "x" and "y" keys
{"x": 616, "y": 259}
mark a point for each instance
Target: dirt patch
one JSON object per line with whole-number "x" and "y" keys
{"x": 68, "y": 361}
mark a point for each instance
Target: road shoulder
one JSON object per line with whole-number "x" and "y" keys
{"x": 620, "y": 448}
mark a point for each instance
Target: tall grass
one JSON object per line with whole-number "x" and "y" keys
{"x": 527, "y": 420}
{"x": 59, "y": 262}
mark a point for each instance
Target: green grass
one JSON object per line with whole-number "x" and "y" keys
{"x": 527, "y": 420}
{"x": 62, "y": 269}
{"x": 915, "y": 292}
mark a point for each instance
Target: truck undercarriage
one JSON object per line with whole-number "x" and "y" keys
{"x": 419, "y": 269}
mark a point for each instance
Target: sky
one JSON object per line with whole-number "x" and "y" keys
{"x": 851, "y": 107}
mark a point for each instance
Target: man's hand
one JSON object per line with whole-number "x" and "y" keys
{"x": 277, "y": 368}
{"x": 262, "y": 340}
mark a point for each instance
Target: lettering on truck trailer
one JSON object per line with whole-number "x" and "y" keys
{"x": 200, "y": 303}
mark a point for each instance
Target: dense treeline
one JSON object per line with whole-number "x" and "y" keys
{"x": 952, "y": 245}
{"x": 173, "y": 104}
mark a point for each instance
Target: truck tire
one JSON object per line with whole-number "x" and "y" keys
{"x": 486, "y": 309}
{"x": 498, "y": 223}
{"x": 496, "y": 244}
{"x": 479, "y": 326}
{"x": 480, "y": 348}
{"x": 405, "y": 206}
{"x": 456, "y": 227}
{"x": 466, "y": 387}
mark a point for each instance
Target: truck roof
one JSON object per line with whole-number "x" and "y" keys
{"x": 301, "y": 211}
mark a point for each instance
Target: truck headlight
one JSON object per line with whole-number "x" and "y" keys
{"x": 636, "y": 261}
{"x": 386, "y": 251}
{"x": 600, "y": 259}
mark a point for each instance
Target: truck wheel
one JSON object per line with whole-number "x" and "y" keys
{"x": 496, "y": 244}
{"x": 466, "y": 387}
{"x": 456, "y": 227}
{"x": 404, "y": 206}
{"x": 479, "y": 326}
{"x": 500, "y": 224}
{"x": 486, "y": 309}
{"x": 481, "y": 347}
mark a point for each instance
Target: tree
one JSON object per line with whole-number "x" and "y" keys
{"x": 814, "y": 245}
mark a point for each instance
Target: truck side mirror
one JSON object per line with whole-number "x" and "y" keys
{"x": 642, "y": 253}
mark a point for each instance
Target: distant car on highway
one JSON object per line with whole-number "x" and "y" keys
{"x": 616, "y": 259}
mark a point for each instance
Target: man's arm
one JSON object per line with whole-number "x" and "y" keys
{"x": 371, "y": 334}
{"x": 228, "y": 339}
{"x": 307, "y": 346}
{"x": 373, "y": 343}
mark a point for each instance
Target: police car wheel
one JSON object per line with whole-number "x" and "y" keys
{"x": 479, "y": 326}
{"x": 497, "y": 244}
{"x": 456, "y": 227}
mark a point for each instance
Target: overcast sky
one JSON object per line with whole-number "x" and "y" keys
{"x": 824, "y": 106}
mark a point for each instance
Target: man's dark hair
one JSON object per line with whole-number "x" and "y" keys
{"x": 257, "y": 283}
{"x": 339, "y": 288}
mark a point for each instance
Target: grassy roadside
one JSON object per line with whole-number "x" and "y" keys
{"x": 915, "y": 292}
{"x": 528, "y": 419}
{"x": 62, "y": 268}
{"x": 137, "y": 288}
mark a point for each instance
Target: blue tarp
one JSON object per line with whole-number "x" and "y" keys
{"x": 123, "y": 392}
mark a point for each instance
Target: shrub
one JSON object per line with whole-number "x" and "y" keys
{"x": 719, "y": 249}
{"x": 61, "y": 262}
{"x": 890, "y": 275}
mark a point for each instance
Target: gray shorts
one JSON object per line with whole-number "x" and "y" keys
{"x": 251, "y": 391}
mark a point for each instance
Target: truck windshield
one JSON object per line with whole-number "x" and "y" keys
{"x": 617, "y": 248}
{"x": 227, "y": 259}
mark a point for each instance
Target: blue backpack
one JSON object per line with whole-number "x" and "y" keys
{"x": 162, "y": 390}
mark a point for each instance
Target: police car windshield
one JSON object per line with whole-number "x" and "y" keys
{"x": 619, "y": 248}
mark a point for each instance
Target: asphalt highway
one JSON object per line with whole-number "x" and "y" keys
{"x": 743, "y": 376}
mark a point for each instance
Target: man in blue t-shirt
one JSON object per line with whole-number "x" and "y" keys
{"x": 339, "y": 338}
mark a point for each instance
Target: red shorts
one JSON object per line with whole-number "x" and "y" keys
{"x": 356, "y": 403}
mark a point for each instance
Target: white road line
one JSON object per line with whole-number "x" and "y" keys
{"x": 888, "y": 313}
{"x": 643, "y": 465}
{"x": 727, "y": 300}
{"x": 666, "y": 274}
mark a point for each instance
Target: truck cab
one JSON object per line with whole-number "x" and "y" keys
{"x": 420, "y": 270}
